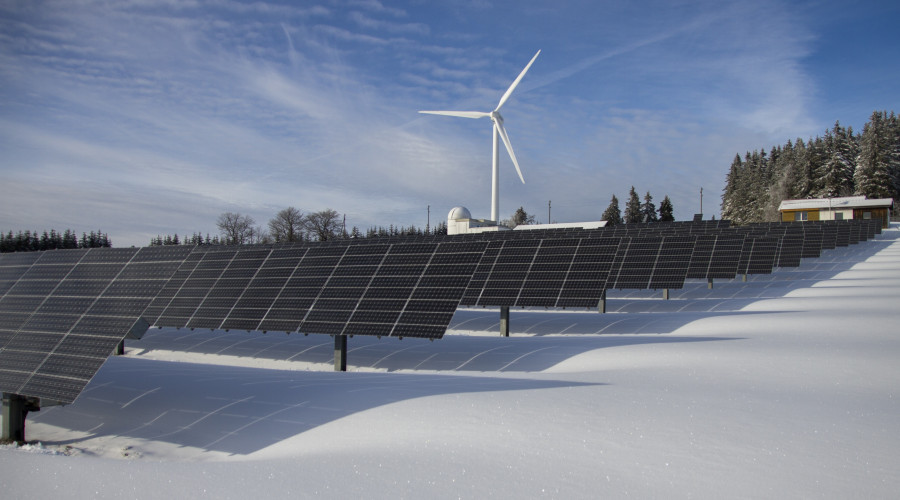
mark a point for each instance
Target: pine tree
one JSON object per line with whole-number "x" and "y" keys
{"x": 612, "y": 215}
{"x": 648, "y": 209}
{"x": 893, "y": 146}
{"x": 839, "y": 162}
{"x": 633, "y": 208}
{"x": 665, "y": 210}
{"x": 732, "y": 197}
{"x": 873, "y": 166}
{"x": 758, "y": 175}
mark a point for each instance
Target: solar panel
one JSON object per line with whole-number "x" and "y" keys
{"x": 758, "y": 255}
{"x": 702, "y": 256}
{"x": 507, "y": 272}
{"x": 790, "y": 249}
{"x": 63, "y": 318}
{"x": 829, "y": 236}
{"x": 585, "y": 281}
{"x": 812, "y": 241}
{"x": 670, "y": 268}
{"x": 726, "y": 256}
{"x": 854, "y": 236}
{"x": 416, "y": 300}
{"x": 843, "y": 234}
{"x": 633, "y": 266}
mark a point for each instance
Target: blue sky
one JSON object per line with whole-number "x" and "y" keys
{"x": 144, "y": 117}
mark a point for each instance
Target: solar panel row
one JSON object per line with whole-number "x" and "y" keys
{"x": 63, "y": 312}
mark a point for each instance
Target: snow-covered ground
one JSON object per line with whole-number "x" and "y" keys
{"x": 786, "y": 385}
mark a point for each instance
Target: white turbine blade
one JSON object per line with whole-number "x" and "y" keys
{"x": 512, "y": 87}
{"x": 509, "y": 148}
{"x": 462, "y": 114}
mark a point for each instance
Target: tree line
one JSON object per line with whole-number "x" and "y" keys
{"x": 637, "y": 212}
{"x": 290, "y": 225}
{"x": 32, "y": 241}
{"x": 842, "y": 163}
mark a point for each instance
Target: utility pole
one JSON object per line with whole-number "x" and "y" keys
{"x": 701, "y": 200}
{"x": 549, "y": 220}
{"x": 428, "y": 222}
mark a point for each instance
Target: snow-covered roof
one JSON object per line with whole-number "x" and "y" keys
{"x": 835, "y": 203}
{"x": 562, "y": 225}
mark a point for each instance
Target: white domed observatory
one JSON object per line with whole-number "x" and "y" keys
{"x": 460, "y": 221}
{"x": 459, "y": 213}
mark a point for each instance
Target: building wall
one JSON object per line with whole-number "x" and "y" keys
{"x": 790, "y": 215}
{"x": 826, "y": 214}
{"x": 874, "y": 213}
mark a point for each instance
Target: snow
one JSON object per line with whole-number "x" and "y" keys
{"x": 780, "y": 386}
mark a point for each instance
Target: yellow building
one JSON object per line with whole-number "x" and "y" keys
{"x": 851, "y": 207}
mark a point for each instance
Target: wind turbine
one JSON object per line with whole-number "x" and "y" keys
{"x": 499, "y": 131}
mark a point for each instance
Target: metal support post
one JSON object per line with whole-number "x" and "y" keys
{"x": 120, "y": 348}
{"x": 601, "y": 306}
{"x": 665, "y": 294}
{"x": 15, "y": 408}
{"x": 744, "y": 278}
{"x": 340, "y": 353}
{"x": 709, "y": 283}
{"x": 504, "y": 321}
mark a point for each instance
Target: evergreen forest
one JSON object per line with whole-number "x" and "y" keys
{"x": 29, "y": 241}
{"x": 842, "y": 163}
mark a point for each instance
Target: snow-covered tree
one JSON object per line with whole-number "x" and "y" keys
{"x": 839, "y": 162}
{"x": 873, "y": 166}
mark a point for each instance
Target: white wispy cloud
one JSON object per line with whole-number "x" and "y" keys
{"x": 254, "y": 106}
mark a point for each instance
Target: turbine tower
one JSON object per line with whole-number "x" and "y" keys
{"x": 499, "y": 131}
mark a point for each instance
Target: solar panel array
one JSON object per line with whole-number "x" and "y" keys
{"x": 391, "y": 289}
{"x": 63, "y": 312}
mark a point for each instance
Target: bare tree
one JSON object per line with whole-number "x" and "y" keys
{"x": 236, "y": 228}
{"x": 259, "y": 235}
{"x": 324, "y": 225}
{"x": 287, "y": 225}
